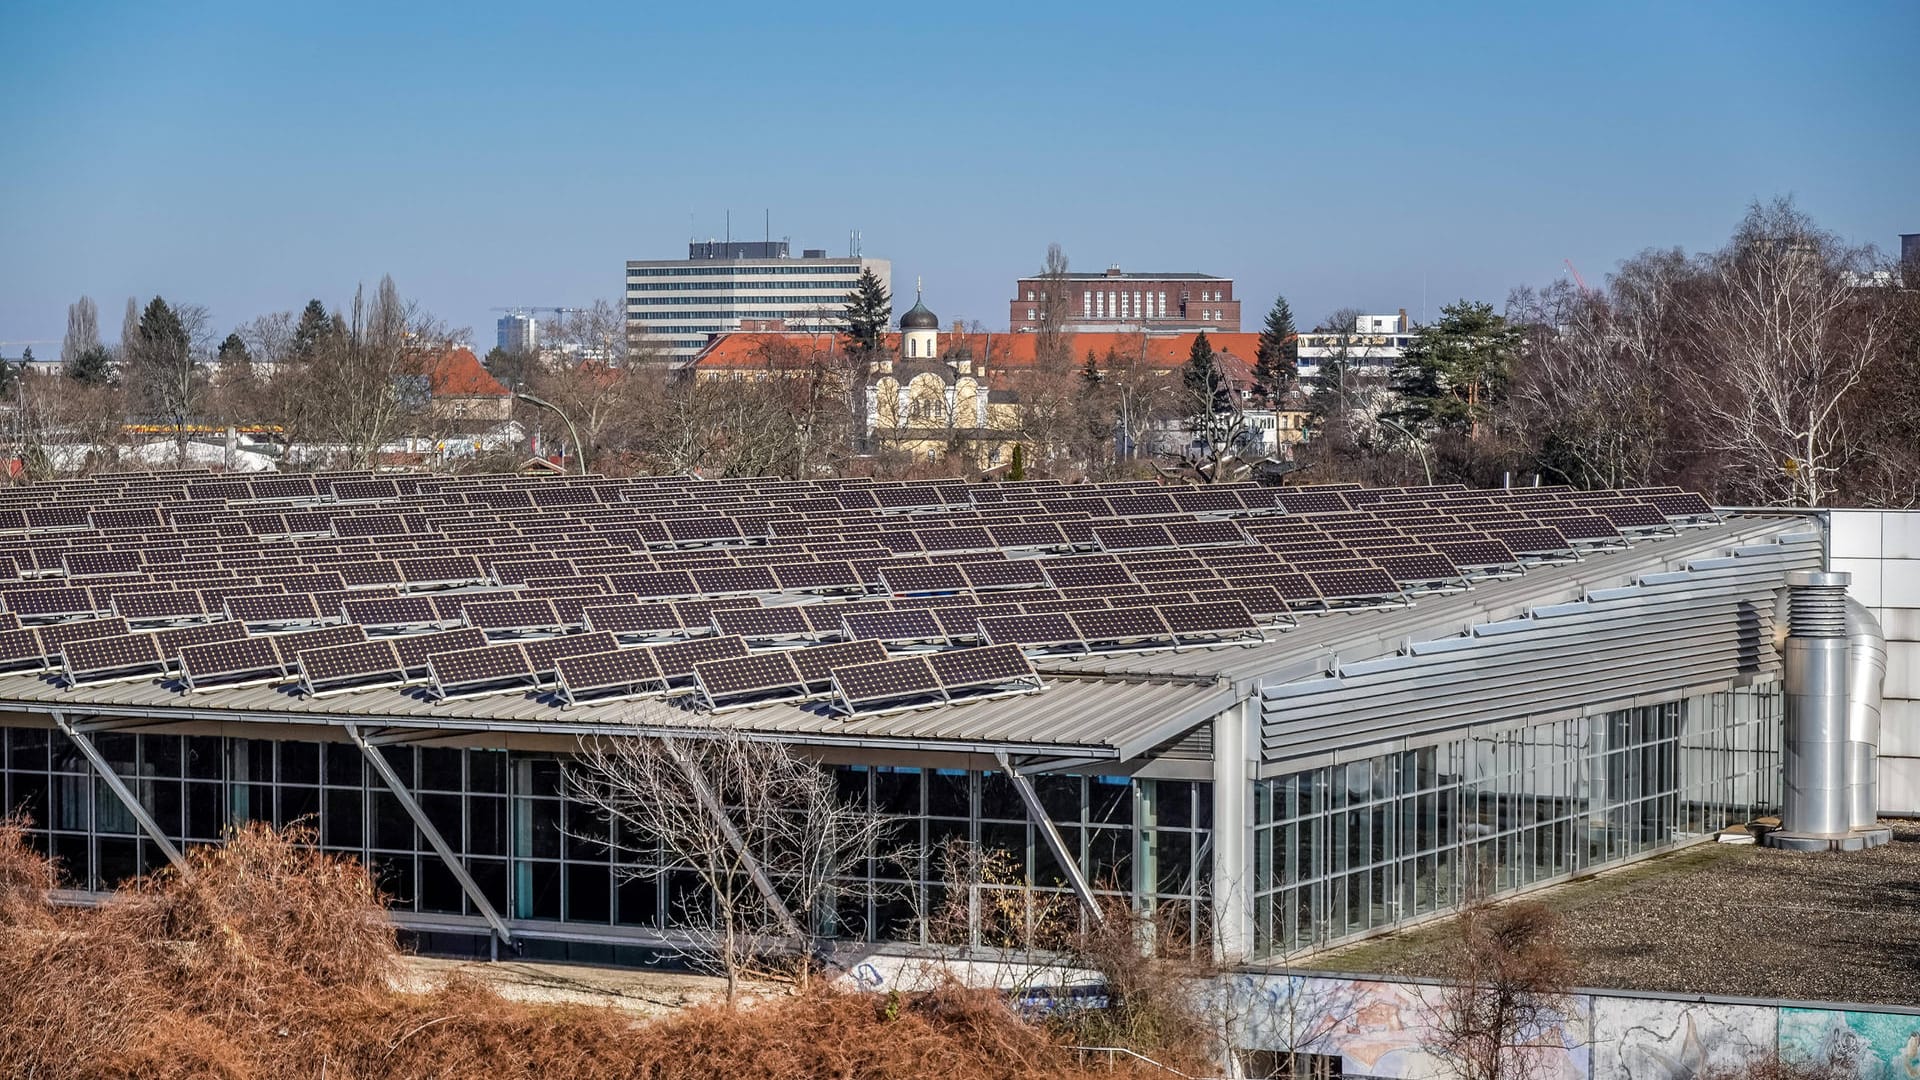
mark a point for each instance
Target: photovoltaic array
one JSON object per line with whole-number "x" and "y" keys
{"x": 736, "y": 593}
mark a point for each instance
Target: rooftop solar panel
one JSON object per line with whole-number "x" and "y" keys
{"x": 275, "y": 610}
{"x": 1356, "y": 585}
{"x": 513, "y": 616}
{"x": 748, "y": 680}
{"x": 1118, "y": 627}
{"x": 897, "y": 627}
{"x": 608, "y": 676}
{"x": 1038, "y": 631}
{"x": 486, "y": 670}
{"x": 414, "y": 649}
{"x": 630, "y": 621}
{"x": 734, "y": 580}
{"x": 1062, "y": 574}
{"x": 816, "y": 576}
{"x": 364, "y": 665}
{"x": 762, "y": 624}
{"x": 172, "y": 642}
{"x": 920, "y": 579}
{"x": 861, "y": 688}
{"x": 55, "y": 638}
{"x": 677, "y": 659}
{"x": 290, "y": 646}
{"x": 85, "y": 564}
{"x": 994, "y": 669}
{"x": 111, "y": 659}
{"x": 39, "y": 605}
{"x": 661, "y": 584}
{"x": 393, "y": 613}
{"x": 247, "y": 661}
{"x": 542, "y": 653}
{"x": 816, "y": 664}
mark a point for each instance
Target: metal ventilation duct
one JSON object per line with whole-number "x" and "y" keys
{"x": 1833, "y": 660}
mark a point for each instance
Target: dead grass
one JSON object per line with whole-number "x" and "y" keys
{"x": 272, "y": 960}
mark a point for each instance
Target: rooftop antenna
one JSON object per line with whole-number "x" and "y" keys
{"x": 769, "y": 226}
{"x": 729, "y": 228}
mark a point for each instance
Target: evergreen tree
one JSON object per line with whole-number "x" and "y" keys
{"x": 1205, "y": 383}
{"x": 233, "y": 351}
{"x": 869, "y": 309}
{"x": 314, "y": 328}
{"x": 26, "y": 356}
{"x": 160, "y": 338}
{"x": 93, "y": 367}
{"x": 1090, "y": 372}
{"x": 1455, "y": 372}
{"x": 1277, "y": 359}
{"x": 1017, "y": 469}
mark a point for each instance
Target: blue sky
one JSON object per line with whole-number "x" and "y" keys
{"x": 249, "y": 156}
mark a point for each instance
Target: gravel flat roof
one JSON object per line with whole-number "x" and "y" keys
{"x": 1721, "y": 919}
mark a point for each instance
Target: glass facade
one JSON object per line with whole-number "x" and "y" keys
{"x": 1345, "y": 849}
{"x": 540, "y": 857}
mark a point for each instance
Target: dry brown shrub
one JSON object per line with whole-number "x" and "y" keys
{"x": 271, "y": 960}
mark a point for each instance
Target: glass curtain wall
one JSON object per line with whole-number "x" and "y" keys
{"x": 1346, "y": 849}
{"x": 539, "y": 857}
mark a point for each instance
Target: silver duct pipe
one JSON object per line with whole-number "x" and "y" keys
{"x": 1867, "y": 669}
{"x": 1816, "y": 665}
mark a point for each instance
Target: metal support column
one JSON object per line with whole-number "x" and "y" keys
{"x": 1232, "y": 832}
{"x": 434, "y": 839}
{"x": 758, "y": 874}
{"x": 1055, "y": 843}
{"x": 123, "y": 793}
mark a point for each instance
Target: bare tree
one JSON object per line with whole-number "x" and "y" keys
{"x": 1053, "y": 344}
{"x": 1506, "y": 997}
{"x": 1782, "y": 330}
{"x": 590, "y": 379}
{"x": 1586, "y": 394}
{"x": 167, "y": 367}
{"x": 83, "y": 330}
{"x": 366, "y": 386}
{"x": 764, "y": 831}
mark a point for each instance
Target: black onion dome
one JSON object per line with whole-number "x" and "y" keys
{"x": 919, "y": 318}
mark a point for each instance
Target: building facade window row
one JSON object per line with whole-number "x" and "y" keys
{"x": 744, "y": 270}
{"x": 1345, "y": 850}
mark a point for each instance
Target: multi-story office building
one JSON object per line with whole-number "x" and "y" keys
{"x": 675, "y": 305}
{"x": 517, "y": 332}
{"x": 1372, "y": 346}
{"x": 1118, "y": 301}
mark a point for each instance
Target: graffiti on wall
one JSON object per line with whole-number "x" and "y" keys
{"x": 1643, "y": 1039}
{"x": 1882, "y": 1046}
{"x": 1381, "y": 1028}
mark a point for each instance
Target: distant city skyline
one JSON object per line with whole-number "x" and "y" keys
{"x": 1374, "y": 157}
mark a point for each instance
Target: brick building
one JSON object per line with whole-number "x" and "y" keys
{"x": 1117, "y": 301}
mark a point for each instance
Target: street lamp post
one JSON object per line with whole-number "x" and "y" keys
{"x": 579, "y": 448}
{"x": 1418, "y": 446}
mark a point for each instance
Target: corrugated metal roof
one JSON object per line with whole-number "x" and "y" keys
{"x": 1319, "y": 639}
{"x": 1110, "y": 717}
{"x": 1120, "y": 705}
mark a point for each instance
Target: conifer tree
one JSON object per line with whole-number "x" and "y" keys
{"x": 1455, "y": 372}
{"x": 1205, "y": 383}
{"x": 233, "y": 351}
{"x": 314, "y": 328}
{"x": 869, "y": 308}
{"x": 1277, "y": 358}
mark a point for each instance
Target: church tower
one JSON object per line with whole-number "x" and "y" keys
{"x": 919, "y": 331}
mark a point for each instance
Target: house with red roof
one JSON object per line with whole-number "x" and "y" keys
{"x": 459, "y": 388}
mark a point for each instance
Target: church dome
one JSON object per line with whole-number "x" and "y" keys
{"x": 919, "y": 318}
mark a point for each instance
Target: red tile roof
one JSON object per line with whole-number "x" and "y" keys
{"x": 458, "y": 373}
{"x": 1000, "y": 352}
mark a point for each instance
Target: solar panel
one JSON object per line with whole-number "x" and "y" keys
{"x": 633, "y": 621}
{"x": 518, "y": 571}
{"x": 172, "y": 642}
{"x": 898, "y": 627}
{"x": 1119, "y": 628}
{"x": 994, "y": 669}
{"x": 1063, "y": 574}
{"x": 677, "y": 659}
{"x": 400, "y": 613}
{"x": 1211, "y": 620}
{"x": 709, "y": 529}
{"x": 39, "y": 605}
{"x": 763, "y": 624}
{"x": 1006, "y": 574}
{"x": 1132, "y": 537}
{"x": 608, "y": 676}
{"x": 1428, "y": 569}
{"x": 290, "y": 646}
{"x": 696, "y": 615}
{"x": 748, "y": 680}
{"x": 1537, "y": 541}
{"x": 111, "y": 659}
{"x": 543, "y": 653}
{"x": 414, "y": 649}
{"x": 487, "y": 670}
{"x": 364, "y": 573}
{"x": 1192, "y": 534}
{"x": 84, "y": 564}
{"x": 734, "y": 580}
{"x": 955, "y": 538}
{"x": 1033, "y": 630}
{"x": 1351, "y": 585}
{"x": 922, "y": 579}
{"x": 366, "y": 665}
{"x": 816, "y": 664}
{"x": 816, "y": 576}
{"x": 54, "y": 638}
{"x": 514, "y": 616}
{"x": 20, "y": 650}
{"x": 268, "y": 611}
{"x": 662, "y": 584}
{"x": 159, "y": 607}
{"x": 861, "y": 688}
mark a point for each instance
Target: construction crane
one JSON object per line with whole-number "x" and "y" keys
{"x": 1577, "y": 279}
{"x": 528, "y": 309}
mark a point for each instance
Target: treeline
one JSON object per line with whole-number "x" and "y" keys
{"x": 1782, "y": 368}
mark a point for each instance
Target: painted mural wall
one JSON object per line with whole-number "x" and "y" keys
{"x": 1377, "y": 1026}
